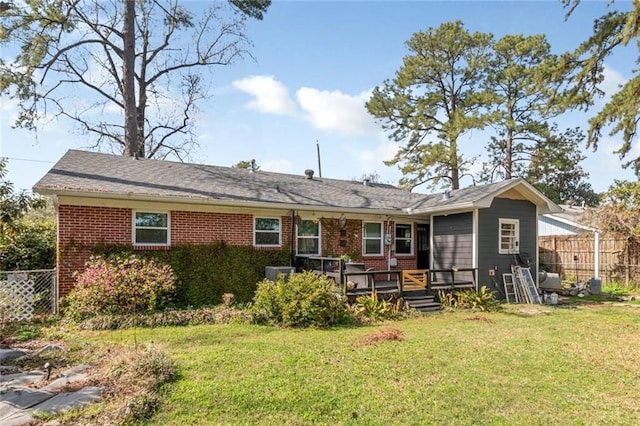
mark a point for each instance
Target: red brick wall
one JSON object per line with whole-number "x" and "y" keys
{"x": 81, "y": 228}
{"x": 202, "y": 228}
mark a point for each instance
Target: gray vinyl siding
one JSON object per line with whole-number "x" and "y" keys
{"x": 453, "y": 241}
{"x": 488, "y": 236}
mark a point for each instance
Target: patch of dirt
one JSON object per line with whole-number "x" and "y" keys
{"x": 480, "y": 318}
{"x": 387, "y": 334}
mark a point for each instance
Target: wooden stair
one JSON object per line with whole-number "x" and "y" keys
{"x": 421, "y": 300}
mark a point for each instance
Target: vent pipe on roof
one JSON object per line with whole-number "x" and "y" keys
{"x": 308, "y": 173}
{"x": 366, "y": 181}
{"x": 253, "y": 165}
{"x": 446, "y": 195}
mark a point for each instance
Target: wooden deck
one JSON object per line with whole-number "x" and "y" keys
{"x": 400, "y": 281}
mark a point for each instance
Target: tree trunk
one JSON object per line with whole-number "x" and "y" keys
{"x": 508, "y": 154}
{"x": 128, "y": 77}
{"x": 455, "y": 169}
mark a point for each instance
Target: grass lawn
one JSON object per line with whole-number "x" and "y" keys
{"x": 550, "y": 366}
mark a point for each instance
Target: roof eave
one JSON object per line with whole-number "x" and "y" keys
{"x": 545, "y": 205}
{"x": 215, "y": 202}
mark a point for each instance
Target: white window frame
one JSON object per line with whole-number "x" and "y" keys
{"x": 365, "y": 238}
{"x": 255, "y": 231}
{"x": 515, "y": 244}
{"x": 410, "y": 239}
{"x": 318, "y": 237}
{"x": 134, "y": 228}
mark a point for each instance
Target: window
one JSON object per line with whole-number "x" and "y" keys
{"x": 308, "y": 238}
{"x": 266, "y": 231}
{"x": 404, "y": 238}
{"x": 509, "y": 236}
{"x": 151, "y": 228}
{"x": 372, "y": 238}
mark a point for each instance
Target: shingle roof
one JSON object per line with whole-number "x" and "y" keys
{"x": 96, "y": 174}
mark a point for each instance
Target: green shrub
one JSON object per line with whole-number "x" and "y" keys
{"x": 31, "y": 245}
{"x": 120, "y": 285}
{"x": 204, "y": 273}
{"x": 305, "y": 300}
{"x": 376, "y": 309}
{"x": 481, "y": 300}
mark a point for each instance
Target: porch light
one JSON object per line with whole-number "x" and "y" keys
{"x": 343, "y": 221}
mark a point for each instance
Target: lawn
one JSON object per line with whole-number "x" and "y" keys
{"x": 577, "y": 365}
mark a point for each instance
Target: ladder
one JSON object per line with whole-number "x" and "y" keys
{"x": 524, "y": 281}
{"x": 510, "y": 288}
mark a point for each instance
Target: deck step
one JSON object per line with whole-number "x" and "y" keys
{"x": 422, "y": 303}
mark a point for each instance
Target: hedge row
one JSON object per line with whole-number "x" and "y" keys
{"x": 205, "y": 272}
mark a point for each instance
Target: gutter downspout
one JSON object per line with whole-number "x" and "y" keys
{"x": 597, "y": 254}
{"x": 293, "y": 230}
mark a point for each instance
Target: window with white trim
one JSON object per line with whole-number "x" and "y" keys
{"x": 151, "y": 228}
{"x": 404, "y": 238}
{"x": 308, "y": 238}
{"x": 266, "y": 232}
{"x": 371, "y": 238}
{"x": 509, "y": 236}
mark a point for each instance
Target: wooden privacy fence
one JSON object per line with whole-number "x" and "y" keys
{"x": 573, "y": 257}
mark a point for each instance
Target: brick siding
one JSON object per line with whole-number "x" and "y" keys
{"x": 81, "y": 228}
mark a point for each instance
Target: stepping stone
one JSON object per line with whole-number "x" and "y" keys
{"x": 72, "y": 375}
{"x": 48, "y": 348}
{"x": 21, "y": 379}
{"x": 7, "y": 354}
{"x": 21, "y": 397}
{"x": 19, "y": 418}
{"x": 13, "y": 403}
{"x": 9, "y": 369}
{"x": 69, "y": 400}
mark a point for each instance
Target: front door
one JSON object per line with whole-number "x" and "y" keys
{"x": 424, "y": 253}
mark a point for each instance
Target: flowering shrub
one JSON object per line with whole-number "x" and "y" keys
{"x": 120, "y": 285}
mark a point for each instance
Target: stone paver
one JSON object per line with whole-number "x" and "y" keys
{"x": 6, "y": 354}
{"x": 21, "y": 379}
{"x": 18, "y": 401}
{"x": 67, "y": 400}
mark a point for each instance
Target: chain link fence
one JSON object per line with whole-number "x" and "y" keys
{"x": 25, "y": 294}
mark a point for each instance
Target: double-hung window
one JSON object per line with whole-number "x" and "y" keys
{"x": 404, "y": 238}
{"x": 509, "y": 237}
{"x": 372, "y": 238}
{"x": 266, "y": 232}
{"x": 309, "y": 238}
{"x": 151, "y": 228}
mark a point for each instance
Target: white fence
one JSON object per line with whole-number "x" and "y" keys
{"x": 24, "y": 294}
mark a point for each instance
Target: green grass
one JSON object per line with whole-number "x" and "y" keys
{"x": 561, "y": 366}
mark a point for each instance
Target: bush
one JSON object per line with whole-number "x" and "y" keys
{"x": 120, "y": 285}
{"x": 306, "y": 300}
{"x": 376, "y": 309}
{"x": 31, "y": 245}
{"x": 481, "y": 300}
{"x": 205, "y": 272}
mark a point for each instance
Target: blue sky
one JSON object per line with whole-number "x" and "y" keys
{"x": 316, "y": 63}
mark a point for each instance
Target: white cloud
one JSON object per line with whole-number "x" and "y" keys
{"x": 611, "y": 84}
{"x": 271, "y": 96}
{"x": 336, "y": 111}
{"x": 372, "y": 160}
{"x": 331, "y": 111}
